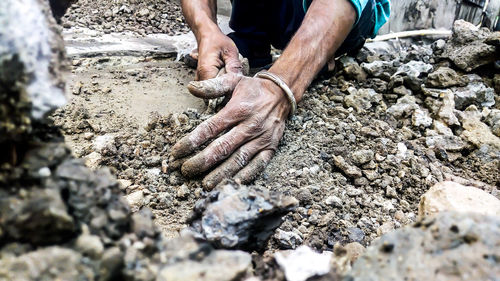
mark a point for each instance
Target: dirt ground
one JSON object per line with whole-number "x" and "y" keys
{"x": 357, "y": 170}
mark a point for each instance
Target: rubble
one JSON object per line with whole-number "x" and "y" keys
{"x": 469, "y": 48}
{"x": 143, "y": 17}
{"x": 371, "y": 140}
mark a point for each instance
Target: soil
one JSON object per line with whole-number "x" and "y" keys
{"x": 357, "y": 170}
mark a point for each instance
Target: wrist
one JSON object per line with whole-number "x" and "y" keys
{"x": 205, "y": 29}
{"x": 290, "y": 79}
{"x": 284, "y": 89}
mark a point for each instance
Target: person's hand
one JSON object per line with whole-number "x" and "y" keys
{"x": 216, "y": 51}
{"x": 252, "y": 124}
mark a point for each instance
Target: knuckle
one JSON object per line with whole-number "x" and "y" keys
{"x": 242, "y": 158}
{"x": 210, "y": 127}
{"x": 222, "y": 147}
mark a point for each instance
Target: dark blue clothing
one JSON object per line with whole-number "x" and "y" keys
{"x": 258, "y": 24}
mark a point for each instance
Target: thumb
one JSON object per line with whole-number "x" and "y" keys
{"x": 232, "y": 61}
{"x": 216, "y": 87}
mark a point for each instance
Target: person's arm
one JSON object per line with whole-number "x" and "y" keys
{"x": 325, "y": 26}
{"x": 201, "y": 15}
{"x": 215, "y": 50}
{"x": 254, "y": 118}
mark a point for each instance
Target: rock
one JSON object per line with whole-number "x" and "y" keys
{"x": 414, "y": 69}
{"x": 377, "y": 68}
{"x": 182, "y": 192}
{"x": 386, "y": 227}
{"x": 477, "y": 132}
{"x": 143, "y": 224}
{"x": 39, "y": 217}
{"x": 287, "y": 239}
{"x": 349, "y": 170}
{"x": 355, "y": 234}
{"x": 446, "y": 142}
{"x": 361, "y": 157}
{"x": 404, "y": 107}
{"x": 352, "y": 70}
{"x": 445, "y": 77}
{"x": 467, "y": 49}
{"x": 220, "y": 265}
{"x": 476, "y": 93}
{"x": 493, "y": 119}
{"x": 362, "y": 99}
{"x": 31, "y": 67}
{"x": 450, "y": 246}
{"x": 441, "y": 128}
{"x": 354, "y": 251}
{"x": 143, "y": 12}
{"x": 186, "y": 260}
{"x": 333, "y": 200}
{"x": 135, "y": 200}
{"x": 446, "y": 112}
{"x": 89, "y": 245}
{"x": 104, "y": 144}
{"x": 421, "y": 118}
{"x": 451, "y": 196}
{"x": 303, "y": 263}
{"x": 112, "y": 261}
{"x": 51, "y": 263}
{"x": 93, "y": 160}
{"x": 235, "y": 215}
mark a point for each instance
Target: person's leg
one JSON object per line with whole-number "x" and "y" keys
{"x": 249, "y": 20}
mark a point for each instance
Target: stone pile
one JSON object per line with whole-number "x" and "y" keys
{"x": 142, "y": 17}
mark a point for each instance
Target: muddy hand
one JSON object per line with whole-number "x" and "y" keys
{"x": 254, "y": 119}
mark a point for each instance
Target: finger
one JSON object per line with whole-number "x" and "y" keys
{"x": 204, "y": 132}
{"x": 175, "y": 164}
{"x": 214, "y": 153}
{"x": 194, "y": 54}
{"x": 255, "y": 167}
{"x": 232, "y": 62}
{"x": 231, "y": 166}
{"x": 215, "y": 87}
{"x": 205, "y": 72}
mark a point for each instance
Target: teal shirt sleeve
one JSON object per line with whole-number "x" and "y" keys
{"x": 382, "y": 11}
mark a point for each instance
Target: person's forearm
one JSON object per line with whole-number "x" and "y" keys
{"x": 201, "y": 15}
{"x": 325, "y": 26}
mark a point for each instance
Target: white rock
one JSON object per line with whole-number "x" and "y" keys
{"x": 90, "y": 245}
{"x": 442, "y": 129}
{"x": 403, "y": 107}
{"x": 421, "y": 118}
{"x": 333, "y": 200}
{"x": 476, "y": 131}
{"x": 93, "y": 160}
{"x": 103, "y": 142}
{"x": 446, "y": 113}
{"x": 303, "y": 263}
{"x": 452, "y": 196}
{"x": 135, "y": 200}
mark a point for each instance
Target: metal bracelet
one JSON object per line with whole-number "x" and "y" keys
{"x": 278, "y": 81}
